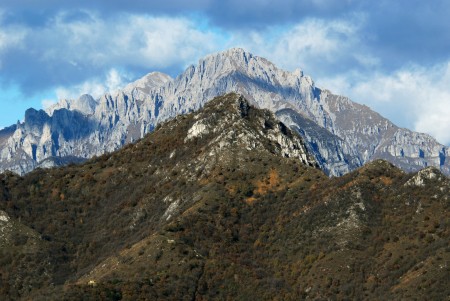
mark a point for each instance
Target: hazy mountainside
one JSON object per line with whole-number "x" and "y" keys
{"x": 86, "y": 127}
{"x": 222, "y": 204}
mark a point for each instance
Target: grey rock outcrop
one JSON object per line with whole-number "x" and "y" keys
{"x": 332, "y": 153}
{"x": 341, "y": 134}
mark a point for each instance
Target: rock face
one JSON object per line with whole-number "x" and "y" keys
{"x": 341, "y": 134}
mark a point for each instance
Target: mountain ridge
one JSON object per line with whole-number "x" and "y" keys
{"x": 129, "y": 114}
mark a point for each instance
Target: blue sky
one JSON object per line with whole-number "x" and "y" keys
{"x": 391, "y": 55}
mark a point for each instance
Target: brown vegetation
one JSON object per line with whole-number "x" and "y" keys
{"x": 160, "y": 220}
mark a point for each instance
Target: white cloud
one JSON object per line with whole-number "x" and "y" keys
{"x": 433, "y": 107}
{"x": 311, "y": 41}
{"x": 112, "y": 81}
{"x": 168, "y": 41}
{"x": 316, "y": 36}
{"x": 12, "y": 37}
{"x": 132, "y": 40}
{"x": 316, "y": 46}
{"x": 47, "y": 103}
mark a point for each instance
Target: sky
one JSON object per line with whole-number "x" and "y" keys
{"x": 390, "y": 55}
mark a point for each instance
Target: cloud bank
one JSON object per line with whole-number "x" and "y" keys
{"x": 392, "y": 56}
{"x": 72, "y": 48}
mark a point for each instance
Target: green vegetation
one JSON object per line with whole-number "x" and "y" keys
{"x": 170, "y": 218}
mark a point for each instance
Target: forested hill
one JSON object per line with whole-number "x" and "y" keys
{"x": 225, "y": 203}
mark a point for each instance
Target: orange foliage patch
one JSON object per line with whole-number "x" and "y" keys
{"x": 268, "y": 184}
{"x": 264, "y": 186}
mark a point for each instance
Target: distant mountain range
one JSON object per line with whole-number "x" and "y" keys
{"x": 225, "y": 203}
{"x": 342, "y": 135}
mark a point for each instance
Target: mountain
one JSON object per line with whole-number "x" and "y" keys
{"x": 224, "y": 203}
{"x": 341, "y": 134}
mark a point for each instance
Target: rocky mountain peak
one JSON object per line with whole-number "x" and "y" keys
{"x": 237, "y": 60}
{"x": 237, "y": 56}
{"x": 232, "y": 120}
{"x": 341, "y": 134}
{"x": 148, "y": 82}
{"x": 426, "y": 175}
{"x": 85, "y": 104}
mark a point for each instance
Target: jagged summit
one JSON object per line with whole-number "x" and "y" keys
{"x": 148, "y": 82}
{"x": 237, "y": 61}
{"x": 85, "y": 104}
{"x": 238, "y": 56}
{"x": 342, "y": 135}
{"x": 241, "y": 57}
